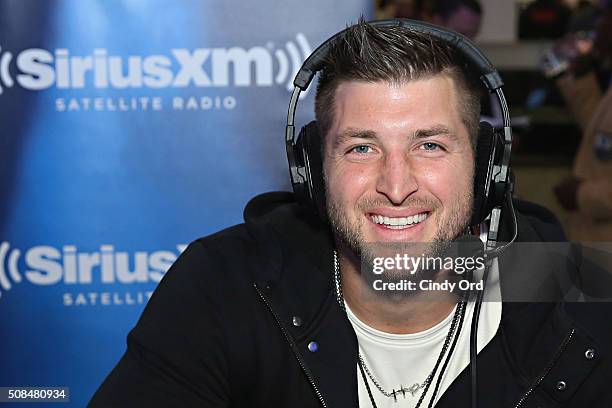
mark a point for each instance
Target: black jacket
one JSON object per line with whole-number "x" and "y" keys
{"x": 219, "y": 331}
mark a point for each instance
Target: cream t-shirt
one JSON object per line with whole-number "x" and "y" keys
{"x": 403, "y": 360}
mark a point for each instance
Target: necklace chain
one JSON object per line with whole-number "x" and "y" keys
{"x": 459, "y": 311}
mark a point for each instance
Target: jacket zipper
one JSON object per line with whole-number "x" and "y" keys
{"x": 539, "y": 380}
{"x": 293, "y": 346}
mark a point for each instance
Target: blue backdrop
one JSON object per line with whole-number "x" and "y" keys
{"x": 128, "y": 129}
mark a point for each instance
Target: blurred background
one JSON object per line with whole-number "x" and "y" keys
{"x": 129, "y": 128}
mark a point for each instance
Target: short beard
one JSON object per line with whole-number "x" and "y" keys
{"x": 352, "y": 235}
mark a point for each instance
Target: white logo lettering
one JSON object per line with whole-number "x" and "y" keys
{"x": 38, "y": 69}
{"x": 47, "y": 265}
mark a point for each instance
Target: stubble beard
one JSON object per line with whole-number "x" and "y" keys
{"x": 350, "y": 233}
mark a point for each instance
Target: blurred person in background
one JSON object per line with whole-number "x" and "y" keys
{"x": 587, "y": 193}
{"x": 583, "y": 17}
{"x": 462, "y": 16}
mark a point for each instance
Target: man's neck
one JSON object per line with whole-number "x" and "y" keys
{"x": 403, "y": 314}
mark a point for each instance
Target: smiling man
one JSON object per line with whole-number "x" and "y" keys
{"x": 272, "y": 312}
{"x": 399, "y": 131}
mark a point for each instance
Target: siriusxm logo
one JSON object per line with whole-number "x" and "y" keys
{"x": 47, "y": 265}
{"x": 38, "y": 69}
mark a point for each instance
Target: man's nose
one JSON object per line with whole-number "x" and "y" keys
{"x": 397, "y": 179}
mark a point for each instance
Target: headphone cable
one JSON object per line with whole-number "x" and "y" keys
{"x": 494, "y": 253}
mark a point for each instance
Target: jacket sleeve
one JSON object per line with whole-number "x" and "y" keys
{"x": 175, "y": 355}
{"x": 595, "y": 198}
{"x": 582, "y": 95}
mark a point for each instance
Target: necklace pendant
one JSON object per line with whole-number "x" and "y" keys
{"x": 414, "y": 388}
{"x": 403, "y": 390}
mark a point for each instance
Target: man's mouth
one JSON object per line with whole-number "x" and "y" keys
{"x": 398, "y": 222}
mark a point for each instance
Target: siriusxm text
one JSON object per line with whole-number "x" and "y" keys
{"x": 47, "y": 265}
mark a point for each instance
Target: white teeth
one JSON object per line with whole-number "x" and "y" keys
{"x": 399, "y": 222}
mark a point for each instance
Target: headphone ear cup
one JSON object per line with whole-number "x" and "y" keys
{"x": 308, "y": 149}
{"x": 482, "y": 171}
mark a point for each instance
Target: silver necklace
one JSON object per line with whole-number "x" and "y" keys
{"x": 414, "y": 388}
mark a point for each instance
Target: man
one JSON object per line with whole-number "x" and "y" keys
{"x": 462, "y": 16}
{"x": 587, "y": 194}
{"x": 271, "y": 313}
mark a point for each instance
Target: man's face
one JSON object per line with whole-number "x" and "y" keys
{"x": 398, "y": 163}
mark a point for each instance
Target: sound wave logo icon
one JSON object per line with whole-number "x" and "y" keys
{"x": 296, "y": 59}
{"x": 5, "y": 75}
{"x": 10, "y": 258}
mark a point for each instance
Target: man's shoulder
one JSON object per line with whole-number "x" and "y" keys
{"x": 270, "y": 220}
{"x": 275, "y": 231}
{"x": 538, "y": 224}
{"x": 535, "y": 223}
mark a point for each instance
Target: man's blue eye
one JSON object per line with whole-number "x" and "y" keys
{"x": 430, "y": 146}
{"x": 361, "y": 149}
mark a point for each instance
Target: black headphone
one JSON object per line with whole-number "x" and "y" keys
{"x": 492, "y": 182}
